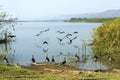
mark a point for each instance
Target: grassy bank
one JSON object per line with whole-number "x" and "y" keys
{"x": 66, "y": 73}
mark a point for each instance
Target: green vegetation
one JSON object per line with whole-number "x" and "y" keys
{"x": 96, "y": 20}
{"x": 106, "y": 43}
{"x": 5, "y": 19}
{"x": 19, "y": 73}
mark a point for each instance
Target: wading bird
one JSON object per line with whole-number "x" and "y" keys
{"x": 33, "y": 59}
{"x": 64, "y": 62}
{"x": 95, "y": 58}
{"x": 6, "y": 60}
{"x": 47, "y": 59}
{"x": 53, "y": 60}
{"x": 60, "y": 39}
{"x": 78, "y": 58}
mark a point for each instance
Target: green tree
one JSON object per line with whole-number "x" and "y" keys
{"x": 5, "y": 20}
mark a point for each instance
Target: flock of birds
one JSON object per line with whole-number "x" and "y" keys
{"x": 69, "y": 36}
{"x": 60, "y": 39}
{"x": 52, "y": 60}
{"x": 47, "y": 43}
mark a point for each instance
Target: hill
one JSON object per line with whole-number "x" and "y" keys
{"x": 104, "y": 14}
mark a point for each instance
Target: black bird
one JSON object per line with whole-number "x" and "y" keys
{"x": 60, "y": 39}
{"x": 11, "y": 36}
{"x": 53, "y": 60}
{"x": 64, "y": 62}
{"x": 33, "y": 59}
{"x": 47, "y": 59}
{"x": 95, "y": 58}
{"x": 71, "y": 39}
{"x": 60, "y": 32}
{"x": 78, "y": 58}
{"x": 45, "y": 42}
{"x": 75, "y": 32}
{"x": 6, "y": 60}
{"x": 68, "y": 35}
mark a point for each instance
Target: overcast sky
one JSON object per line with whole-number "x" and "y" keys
{"x": 45, "y": 9}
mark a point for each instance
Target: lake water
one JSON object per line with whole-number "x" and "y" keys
{"x": 28, "y": 43}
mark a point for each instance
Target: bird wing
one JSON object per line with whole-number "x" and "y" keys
{"x": 74, "y": 37}
{"x": 68, "y": 37}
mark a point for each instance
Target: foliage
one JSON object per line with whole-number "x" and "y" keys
{"x": 5, "y": 19}
{"x": 97, "y": 20}
{"x": 106, "y": 41}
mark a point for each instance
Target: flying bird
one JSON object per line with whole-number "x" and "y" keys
{"x": 71, "y": 39}
{"x": 75, "y": 32}
{"x": 60, "y": 39}
{"x": 45, "y": 42}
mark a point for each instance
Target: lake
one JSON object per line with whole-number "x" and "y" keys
{"x": 30, "y": 38}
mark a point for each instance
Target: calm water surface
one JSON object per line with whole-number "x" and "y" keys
{"x": 27, "y": 43}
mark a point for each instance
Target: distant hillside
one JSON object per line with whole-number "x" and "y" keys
{"x": 94, "y": 20}
{"x": 104, "y": 14}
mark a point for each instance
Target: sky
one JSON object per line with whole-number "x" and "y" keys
{"x": 48, "y": 9}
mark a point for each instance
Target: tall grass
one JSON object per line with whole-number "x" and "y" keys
{"x": 107, "y": 40}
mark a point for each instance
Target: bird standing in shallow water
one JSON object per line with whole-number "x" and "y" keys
{"x": 53, "y": 60}
{"x": 6, "y": 60}
{"x": 33, "y": 59}
{"x": 78, "y": 58}
{"x": 47, "y": 59}
{"x": 95, "y": 58}
{"x": 64, "y": 62}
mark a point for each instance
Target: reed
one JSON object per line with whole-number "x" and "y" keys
{"x": 106, "y": 40}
